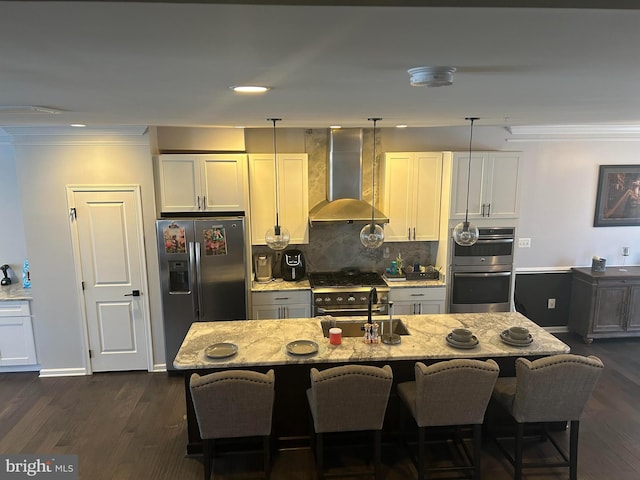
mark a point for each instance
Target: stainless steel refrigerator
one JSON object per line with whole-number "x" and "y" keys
{"x": 202, "y": 274}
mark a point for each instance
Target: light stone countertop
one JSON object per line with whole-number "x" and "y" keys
{"x": 416, "y": 283}
{"x": 280, "y": 284}
{"x": 263, "y": 342}
{"x": 14, "y": 292}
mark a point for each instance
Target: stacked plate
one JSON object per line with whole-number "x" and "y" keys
{"x": 516, "y": 337}
{"x": 462, "y": 338}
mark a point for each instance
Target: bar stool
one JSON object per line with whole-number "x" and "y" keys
{"x": 551, "y": 389}
{"x": 450, "y": 393}
{"x": 349, "y": 398}
{"x": 233, "y": 404}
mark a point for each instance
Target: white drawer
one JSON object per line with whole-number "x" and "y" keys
{"x": 279, "y": 297}
{"x": 15, "y": 309}
{"x": 416, "y": 294}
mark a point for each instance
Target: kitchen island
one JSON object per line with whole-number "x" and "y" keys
{"x": 262, "y": 345}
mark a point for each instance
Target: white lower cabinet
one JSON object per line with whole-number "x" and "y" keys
{"x": 281, "y": 304}
{"x": 417, "y": 300}
{"x": 16, "y": 334}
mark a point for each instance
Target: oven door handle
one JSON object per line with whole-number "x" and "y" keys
{"x": 482, "y": 274}
{"x": 349, "y": 310}
{"x": 495, "y": 240}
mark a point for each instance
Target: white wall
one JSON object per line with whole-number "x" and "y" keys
{"x": 12, "y": 242}
{"x": 44, "y": 168}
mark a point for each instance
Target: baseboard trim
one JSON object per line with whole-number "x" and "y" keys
{"x": 62, "y": 372}
{"x": 159, "y": 368}
{"x": 560, "y": 329}
{"x": 20, "y": 368}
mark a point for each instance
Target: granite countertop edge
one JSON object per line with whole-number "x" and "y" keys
{"x": 263, "y": 342}
{"x": 14, "y": 292}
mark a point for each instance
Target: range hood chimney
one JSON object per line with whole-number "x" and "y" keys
{"x": 344, "y": 182}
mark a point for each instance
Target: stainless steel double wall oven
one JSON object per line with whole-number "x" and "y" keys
{"x": 481, "y": 274}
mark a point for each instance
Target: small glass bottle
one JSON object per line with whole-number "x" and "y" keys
{"x": 26, "y": 275}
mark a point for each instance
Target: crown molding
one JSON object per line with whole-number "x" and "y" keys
{"x": 556, "y": 133}
{"x": 67, "y": 135}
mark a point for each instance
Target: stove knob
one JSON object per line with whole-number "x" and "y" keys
{"x": 383, "y": 299}
{"x": 351, "y": 299}
{"x": 339, "y": 299}
{"x": 318, "y": 300}
{"x": 327, "y": 299}
{"x": 364, "y": 299}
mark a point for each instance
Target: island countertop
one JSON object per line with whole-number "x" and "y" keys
{"x": 13, "y": 292}
{"x": 263, "y": 342}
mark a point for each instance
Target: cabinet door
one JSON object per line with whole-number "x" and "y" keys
{"x": 179, "y": 183}
{"x": 297, "y": 311}
{"x": 397, "y": 195}
{"x": 611, "y": 308}
{"x": 503, "y": 193}
{"x": 404, "y": 308}
{"x": 224, "y": 182}
{"x": 293, "y": 181}
{"x": 266, "y": 312}
{"x": 432, "y": 307}
{"x": 16, "y": 342}
{"x": 427, "y": 188}
{"x": 461, "y": 168}
{"x": 633, "y": 317}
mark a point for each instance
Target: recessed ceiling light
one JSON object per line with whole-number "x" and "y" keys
{"x": 78, "y": 125}
{"x": 249, "y": 89}
{"x": 401, "y": 126}
{"x": 335, "y": 127}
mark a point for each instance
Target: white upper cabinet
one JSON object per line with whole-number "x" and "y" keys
{"x": 198, "y": 183}
{"x": 293, "y": 183}
{"x": 411, "y": 195}
{"x": 494, "y": 187}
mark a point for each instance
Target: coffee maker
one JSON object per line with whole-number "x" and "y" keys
{"x": 6, "y": 280}
{"x": 293, "y": 265}
{"x": 263, "y": 270}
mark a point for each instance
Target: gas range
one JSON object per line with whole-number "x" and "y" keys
{"x": 346, "y": 293}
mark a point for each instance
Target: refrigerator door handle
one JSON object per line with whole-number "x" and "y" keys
{"x": 201, "y": 312}
{"x": 192, "y": 273}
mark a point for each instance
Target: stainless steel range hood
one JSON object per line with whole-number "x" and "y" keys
{"x": 344, "y": 182}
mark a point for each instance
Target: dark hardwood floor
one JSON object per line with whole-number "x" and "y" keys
{"x": 132, "y": 426}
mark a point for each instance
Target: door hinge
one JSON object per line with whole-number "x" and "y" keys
{"x": 73, "y": 213}
{"x": 82, "y": 286}
{"x": 90, "y": 353}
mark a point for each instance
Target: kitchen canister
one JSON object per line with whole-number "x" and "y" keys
{"x": 598, "y": 264}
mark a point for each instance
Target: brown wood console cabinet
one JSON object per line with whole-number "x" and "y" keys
{"x": 605, "y": 304}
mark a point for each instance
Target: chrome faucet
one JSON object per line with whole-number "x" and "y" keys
{"x": 373, "y": 298}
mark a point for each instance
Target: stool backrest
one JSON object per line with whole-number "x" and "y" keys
{"x": 350, "y": 397}
{"x": 555, "y": 388}
{"x": 454, "y": 392}
{"x": 234, "y": 403}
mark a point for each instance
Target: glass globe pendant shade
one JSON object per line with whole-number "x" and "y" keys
{"x": 372, "y": 237}
{"x": 277, "y": 238}
{"x": 465, "y": 234}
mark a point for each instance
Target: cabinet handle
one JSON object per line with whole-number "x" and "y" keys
{"x": 488, "y": 209}
{"x": 409, "y": 233}
{"x": 198, "y": 202}
{"x": 414, "y": 233}
{"x": 204, "y": 202}
{"x": 281, "y": 298}
{"x": 417, "y": 294}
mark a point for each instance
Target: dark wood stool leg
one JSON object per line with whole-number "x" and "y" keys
{"x": 266, "y": 447}
{"x": 319, "y": 455}
{"x": 207, "y": 452}
{"x": 477, "y": 447}
{"x": 573, "y": 450}
{"x": 517, "y": 464}
{"x": 421, "y": 459}
{"x": 377, "y": 440}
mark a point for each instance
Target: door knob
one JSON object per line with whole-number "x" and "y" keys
{"x": 134, "y": 293}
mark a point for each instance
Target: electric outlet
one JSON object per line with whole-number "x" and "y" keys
{"x": 625, "y": 251}
{"x": 524, "y": 243}
{"x": 551, "y": 303}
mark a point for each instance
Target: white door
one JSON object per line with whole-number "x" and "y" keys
{"x": 109, "y": 237}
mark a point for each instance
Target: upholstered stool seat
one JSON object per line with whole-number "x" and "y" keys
{"x": 551, "y": 389}
{"x": 233, "y": 404}
{"x": 349, "y": 398}
{"x": 450, "y": 393}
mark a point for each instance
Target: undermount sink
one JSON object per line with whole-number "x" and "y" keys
{"x": 355, "y": 328}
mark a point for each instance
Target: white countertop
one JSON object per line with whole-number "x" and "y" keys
{"x": 263, "y": 342}
{"x": 14, "y": 292}
{"x": 279, "y": 284}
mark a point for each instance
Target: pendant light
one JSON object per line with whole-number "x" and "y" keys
{"x": 278, "y": 237}
{"x": 465, "y": 234}
{"x": 372, "y": 235}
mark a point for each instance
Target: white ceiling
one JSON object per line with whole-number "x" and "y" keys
{"x": 104, "y": 63}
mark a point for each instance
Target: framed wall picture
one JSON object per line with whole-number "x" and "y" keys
{"x": 618, "y": 199}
